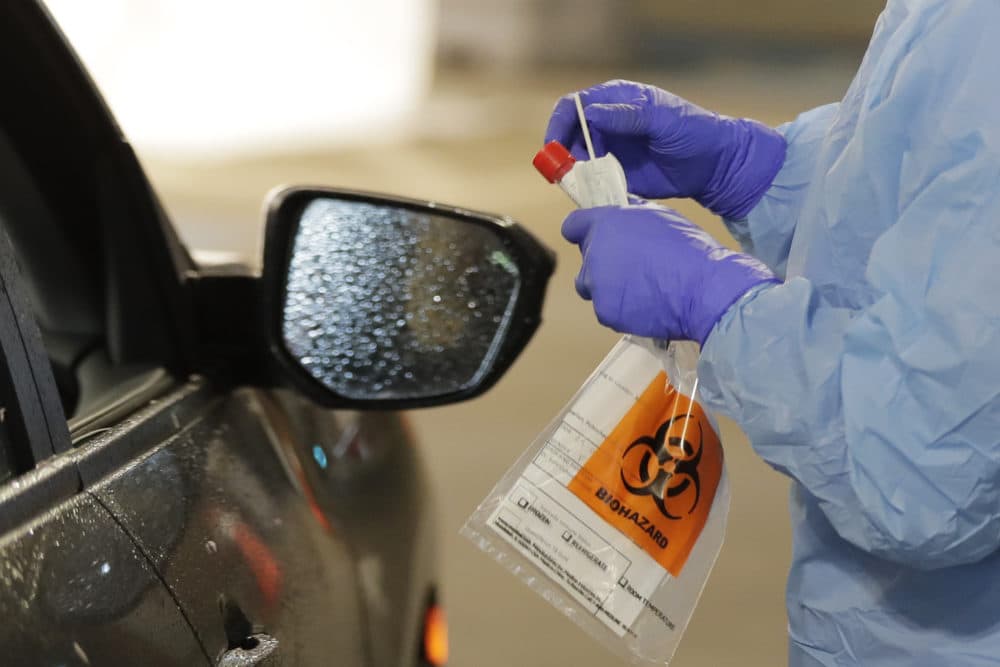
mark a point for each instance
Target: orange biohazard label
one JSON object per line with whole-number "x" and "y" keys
{"x": 654, "y": 478}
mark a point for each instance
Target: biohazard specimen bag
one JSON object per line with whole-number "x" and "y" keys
{"x": 617, "y": 511}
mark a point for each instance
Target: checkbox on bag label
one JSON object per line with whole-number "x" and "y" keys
{"x": 522, "y": 503}
{"x": 567, "y": 536}
{"x": 623, "y": 582}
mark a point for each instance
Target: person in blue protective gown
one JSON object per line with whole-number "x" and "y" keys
{"x": 857, "y": 339}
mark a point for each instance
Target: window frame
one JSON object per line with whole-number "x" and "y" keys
{"x": 34, "y": 426}
{"x": 102, "y": 205}
{"x": 73, "y": 153}
{"x": 90, "y": 177}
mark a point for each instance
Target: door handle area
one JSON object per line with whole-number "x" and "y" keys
{"x": 255, "y": 651}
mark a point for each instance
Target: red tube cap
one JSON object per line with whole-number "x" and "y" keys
{"x": 553, "y": 162}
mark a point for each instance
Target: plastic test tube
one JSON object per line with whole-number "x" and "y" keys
{"x": 599, "y": 181}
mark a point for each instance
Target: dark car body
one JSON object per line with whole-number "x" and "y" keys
{"x": 160, "y": 504}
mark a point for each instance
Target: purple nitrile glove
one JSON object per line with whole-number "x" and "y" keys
{"x": 672, "y": 148}
{"x": 651, "y": 272}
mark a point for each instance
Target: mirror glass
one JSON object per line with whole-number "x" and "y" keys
{"x": 385, "y": 302}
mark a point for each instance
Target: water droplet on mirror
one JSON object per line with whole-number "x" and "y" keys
{"x": 402, "y": 285}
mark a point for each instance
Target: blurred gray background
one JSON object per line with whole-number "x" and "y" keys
{"x": 470, "y": 127}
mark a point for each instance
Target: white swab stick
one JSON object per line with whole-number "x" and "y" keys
{"x": 583, "y": 124}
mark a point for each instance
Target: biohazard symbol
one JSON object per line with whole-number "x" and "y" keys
{"x": 665, "y": 466}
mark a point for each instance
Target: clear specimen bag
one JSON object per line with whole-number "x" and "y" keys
{"x": 616, "y": 512}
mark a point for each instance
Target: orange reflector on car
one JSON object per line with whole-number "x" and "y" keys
{"x": 436, "y": 636}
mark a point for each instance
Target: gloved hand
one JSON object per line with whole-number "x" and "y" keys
{"x": 672, "y": 148}
{"x": 651, "y": 272}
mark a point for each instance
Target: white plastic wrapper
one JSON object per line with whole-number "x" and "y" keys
{"x": 617, "y": 511}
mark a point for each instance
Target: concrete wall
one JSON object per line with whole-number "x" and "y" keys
{"x": 613, "y": 32}
{"x": 524, "y": 32}
{"x": 793, "y": 20}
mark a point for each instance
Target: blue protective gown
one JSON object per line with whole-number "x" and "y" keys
{"x": 872, "y": 375}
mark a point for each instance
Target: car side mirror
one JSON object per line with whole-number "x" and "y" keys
{"x": 378, "y": 301}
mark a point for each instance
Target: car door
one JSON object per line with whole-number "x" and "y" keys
{"x": 76, "y": 590}
{"x": 74, "y": 587}
{"x": 173, "y": 480}
{"x": 213, "y": 502}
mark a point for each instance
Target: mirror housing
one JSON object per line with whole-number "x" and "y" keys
{"x": 380, "y": 302}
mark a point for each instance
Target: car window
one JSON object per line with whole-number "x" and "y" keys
{"x": 102, "y": 272}
{"x": 64, "y": 290}
{"x": 64, "y": 300}
{"x": 59, "y": 282}
{"x": 32, "y": 425}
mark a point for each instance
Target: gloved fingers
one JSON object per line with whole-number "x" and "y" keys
{"x": 608, "y": 308}
{"x": 574, "y": 141}
{"x": 600, "y": 145}
{"x": 577, "y": 225}
{"x": 623, "y": 118}
{"x": 564, "y": 124}
{"x": 616, "y": 91}
{"x": 579, "y": 147}
{"x": 581, "y": 283}
{"x": 673, "y": 216}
